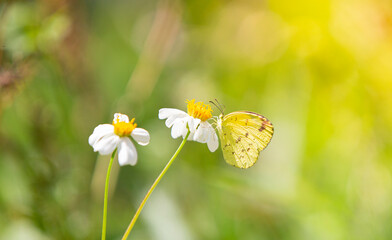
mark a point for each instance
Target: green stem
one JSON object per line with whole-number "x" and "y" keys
{"x": 135, "y": 217}
{"x": 105, "y": 200}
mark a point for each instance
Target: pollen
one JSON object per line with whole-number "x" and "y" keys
{"x": 199, "y": 110}
{"x": 122, "y": 127}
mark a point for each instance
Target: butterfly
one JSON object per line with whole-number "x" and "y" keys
{"x": 243, "y": 135}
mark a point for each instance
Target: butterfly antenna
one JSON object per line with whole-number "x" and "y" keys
{"x": 214, "y": 104}
{"x": 220, "y": 106}
{"x": 217, "y": 105}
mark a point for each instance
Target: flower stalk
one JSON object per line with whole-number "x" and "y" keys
{"x": 105, "y": 200}
{"x": 135, "y": 217}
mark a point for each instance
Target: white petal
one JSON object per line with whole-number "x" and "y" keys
{"x": 99, "y": 132}
{"x": 179, "y": 127}
{"x": 213, "y": 142}
{"x": 126, "y": 152}
{"x": 141, "y": 136}
{"x": 170, "y": 120}
{"x": 118, "y": 117}
{"x": 106, "y": 144}
{"x": 193, "y": 123}
{"x": 202, "y": 132}
{"x": 171, "y": 112}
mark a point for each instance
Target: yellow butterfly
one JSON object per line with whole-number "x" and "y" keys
{"x": 243, "y": 135}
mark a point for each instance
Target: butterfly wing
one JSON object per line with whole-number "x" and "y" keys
{"x": 243, "y": 136}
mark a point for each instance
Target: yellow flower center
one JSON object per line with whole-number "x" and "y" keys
{"x": 199, "y": 110}
{"x": 123, "y": 129}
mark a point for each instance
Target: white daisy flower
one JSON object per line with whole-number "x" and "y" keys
{"x": 107, "y": 137}
{"x": 195, "y": 120}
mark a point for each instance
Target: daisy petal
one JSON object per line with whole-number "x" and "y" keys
{"x": 106, "y": 144}
{"x": 126, "y": 152}
{"x": 178, "y": 129}
{"x": 99, "y": 132}
{"x": 168, "y": 112}
{"x": 170, "y": 120}
{"x": 118, "y": 117}
{"x": 193, "y": 123}
{"x": 141, "y": 136}
{"x": 213, "y": 141}
{"x": 202, "y": 133}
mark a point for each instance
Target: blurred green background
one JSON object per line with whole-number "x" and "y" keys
{"x": 321, "y": 71}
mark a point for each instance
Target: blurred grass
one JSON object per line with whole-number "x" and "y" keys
{"x": 320, "y": 71}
